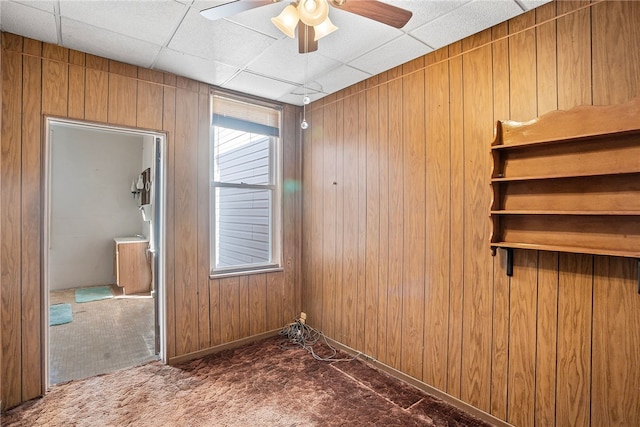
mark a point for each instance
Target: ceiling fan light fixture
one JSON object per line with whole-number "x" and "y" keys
{"x": 313, "y": 12}
{"x": 287, "y": 21}
{"x": 324, "y": 28}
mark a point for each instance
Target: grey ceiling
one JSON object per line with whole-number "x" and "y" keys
{"x": 246, "y": 52}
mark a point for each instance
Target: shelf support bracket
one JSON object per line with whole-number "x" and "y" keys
{"x": 509, "y": 267}
{"x": 638, "y": 275}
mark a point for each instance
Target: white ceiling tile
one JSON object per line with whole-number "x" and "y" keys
{"x": 220, "y": 40}
{"x": 397, "y": 52}
{"x": 340, "y": 78}
{"x": 466, "y": 20}
{"x": 97, "y": 41}
{"x": 203, "y": 70}
{"x": 259, "y": 85}
{"x": 28, "y": 22}
{"x": 532, "y": 4}
{"x": 282, "y": 60}
{"x": 425, "y": 10}
{"x": 355, "y": 36}
{"x": 45, "y": 5}
{"x": 148, "y": 20}
{"x": 259, "y": 19}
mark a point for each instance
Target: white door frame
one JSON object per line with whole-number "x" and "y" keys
{"x": 160, "y": 148}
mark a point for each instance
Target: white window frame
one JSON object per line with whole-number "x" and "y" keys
{"x": 275, "y": 187}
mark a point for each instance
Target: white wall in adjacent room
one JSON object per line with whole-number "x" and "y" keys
{"x": 91, "y": 203}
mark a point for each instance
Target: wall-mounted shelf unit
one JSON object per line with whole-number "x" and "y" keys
{"x": 569, "y": 181}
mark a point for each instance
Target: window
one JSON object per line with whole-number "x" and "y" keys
{"x": 245, "y": 185}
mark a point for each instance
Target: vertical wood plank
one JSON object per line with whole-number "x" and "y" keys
{"x": 616, "y": 343}
{"x": 372, "y": 224}
{"x": 76, "y": 92}
{"x": 547, "y": 327}
{"x": 383, "y": 253}
{"x": 361, "y": 261}
{"x": 414, "y": 226}
{"x": 185, "y": 220}
{"x": 574, "y": 55}
{"x": 96, "y": 96}
{"x": 396, "y": 224}
{"x": 350, "y": 224}
{"x": 257, "y": 303}
{"x": 456, "y": 254}
{"x": 55, "y": 87}
{"x": 244, "y": 312}
{"x": 149, "y": 106}
{"x": 307, "y": 217}
{"x": 615, "y": 65}
{"x": 169, "y": 125}
{"x": 229, "y": 308}
{"x": 215, "y": 310}
{"x": 523, "y": 287}
{"x": 122, "y": 100}
{"x": 10, "y": 230}
{"x": 573, "y": 385}
{"x": 203, "y": 215}
{"x": 340, "y": 223}
{"x": 500, "y": 342}
{"x": 437, "y": 214}
{"x": 546, "y": 59}
{"x": 276, "y": 297}
{"x": 329, "y": 191}
{"x": 478, "y": 265}
{"x": 31, "y": 230}
{"x": 317, "y": 152}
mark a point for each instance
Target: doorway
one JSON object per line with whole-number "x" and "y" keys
{"x": 103, "y": 249}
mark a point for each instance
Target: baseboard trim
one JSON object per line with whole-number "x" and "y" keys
{"x": 226, "y": 346}
{"x": 423, "y": 386}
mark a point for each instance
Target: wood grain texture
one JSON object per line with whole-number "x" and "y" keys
{"x": 546, "y": 59}
{"x": 615, "y": 343}
{"x": 384, "y": 209}
{"x": 257, "y": 303}
{"x": 501, "y": 283}
{"x": 10, "y": 227}
{"x": 573, "y": 385}
{"x": 186, "y": 221}
{"x": 372, "y": 224}
{"x": 314, "y": 305}
{"x": 204, "y": 219}
{"x": 229, "y": 308}
{"x": 122, "y": 100}
{"x": 340, "y": 222}
{"x": 361, "y": 260}
{"x": 96, "y": 95}
{"x": 55, "y": 86}
{"x": 414, "y": 182}
{"x": 456, "y": 254}
{"x": 329, "y": 186}
{"x": 478, "y": 128}
{"x": 76, "y": 96}
{"x": 546, "y": 341}
{"x": 149, "y": 106}
{"x": 31, "y": 229}
{"x": 437, "y": 223}
{"x": 242, "y": 304}
{"x": 215, "y": 310}
{"x": 277, "y": 290}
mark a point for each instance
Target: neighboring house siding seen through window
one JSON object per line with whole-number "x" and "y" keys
{"x": 245, "y": 186}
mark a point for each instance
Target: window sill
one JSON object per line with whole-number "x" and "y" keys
{"x": 224, "y": 274}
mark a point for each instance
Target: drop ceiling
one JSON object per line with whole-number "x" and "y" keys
{"x": 246, "y": 52}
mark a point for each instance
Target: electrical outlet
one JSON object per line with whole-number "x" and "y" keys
{"x": 303, "y": 317}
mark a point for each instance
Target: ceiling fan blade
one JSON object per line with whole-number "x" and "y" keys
{"x": 376, "y": 10}
{"x": 306, "y": 42}
{"x": 233, "y": 7}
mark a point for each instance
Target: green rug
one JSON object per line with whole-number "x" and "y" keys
{"x": 93, "y": 294}
{"x": 60, "y": 314}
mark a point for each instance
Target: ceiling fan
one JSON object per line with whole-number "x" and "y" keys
{"x": 311, "y": 16}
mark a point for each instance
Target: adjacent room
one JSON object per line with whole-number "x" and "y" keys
{"x": 354, "y": 212}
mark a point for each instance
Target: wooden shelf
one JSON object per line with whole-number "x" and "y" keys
{"x": 552, "y": 212}
{"x": 562, "y": 176}
{"x": 567, "y": 182}
{"x": 570, "y": 249}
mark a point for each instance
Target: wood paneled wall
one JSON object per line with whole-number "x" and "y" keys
{"x": 40, "y": 79}
{"x": 396, "y": 260}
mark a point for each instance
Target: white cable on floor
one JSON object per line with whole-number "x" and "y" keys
{"x": 305, "y": 336}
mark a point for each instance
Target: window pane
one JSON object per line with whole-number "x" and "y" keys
{"x": 242, "y": 226}
{"x": 241, "y": 157}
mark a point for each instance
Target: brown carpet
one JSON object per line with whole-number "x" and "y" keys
{"x": 259, "y": 384}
